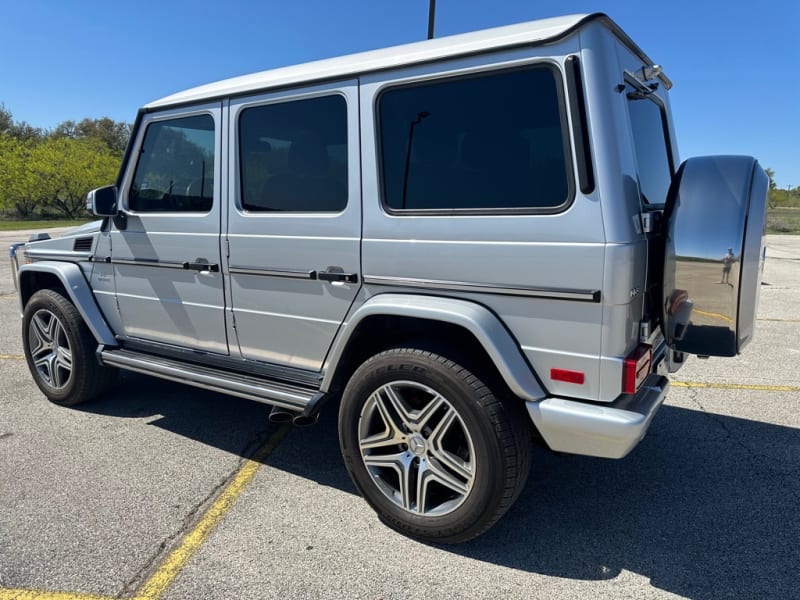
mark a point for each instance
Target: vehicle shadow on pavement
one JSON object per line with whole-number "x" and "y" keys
{"x": 234, "y": 425}
{"x": 706, "y": 506}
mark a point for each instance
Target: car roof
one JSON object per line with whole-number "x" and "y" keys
{"x": 528, "y": 33}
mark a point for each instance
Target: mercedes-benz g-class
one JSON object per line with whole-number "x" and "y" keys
{"x": 464, "y": 241}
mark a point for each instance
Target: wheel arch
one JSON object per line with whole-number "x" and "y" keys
{"x": 68, "y": 279}
{"x": 385, "y": 320}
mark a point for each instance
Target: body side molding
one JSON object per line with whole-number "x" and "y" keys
{"x": 478, "y": 320}
{"x": 71, "y": 277}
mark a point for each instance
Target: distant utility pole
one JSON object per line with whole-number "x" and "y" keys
{"x": 431, "y": 15}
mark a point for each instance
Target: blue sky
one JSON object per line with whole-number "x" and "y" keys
{"x": 735, "y": 64}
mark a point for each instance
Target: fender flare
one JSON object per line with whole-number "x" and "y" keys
{"x": 71, "y": 277}
{"x": 490, "y": 332}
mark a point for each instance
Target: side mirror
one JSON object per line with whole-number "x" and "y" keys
{"x": 102, "y": 201}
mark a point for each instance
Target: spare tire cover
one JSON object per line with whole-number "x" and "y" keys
{"x": 714, "y": 255}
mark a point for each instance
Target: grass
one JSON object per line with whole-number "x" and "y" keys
{"x": 7, "y": 224}
{"x": 783, "y": 220}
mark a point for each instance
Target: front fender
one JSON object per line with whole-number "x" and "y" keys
{"x": 478, "y": 320}
{"x": 71, "y": 277}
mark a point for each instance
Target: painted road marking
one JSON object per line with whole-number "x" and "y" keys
{"x": 736, "y": 386}
{"x": 713, "y": 315}
{"x": 19, "y": 594}
{"x": 169, "y": 569}
{"x": 780, "y": 320}
{"x": 11, "y": 357}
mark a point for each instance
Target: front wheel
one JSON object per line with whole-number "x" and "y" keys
{"x": 60, "y": 351}
{"x": 431, "y": 447}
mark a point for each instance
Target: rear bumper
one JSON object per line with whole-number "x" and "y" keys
{"x": 608, "y": 430}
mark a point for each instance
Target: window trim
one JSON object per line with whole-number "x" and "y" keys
{"x": 142, "y": 127}
{"x": 283, "y": 99}
{"x": 569, "y": 163}
{"x": 662, "y": 109}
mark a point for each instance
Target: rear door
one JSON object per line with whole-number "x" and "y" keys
{"x": 294, "y": 221}
{"x": 655, "y": 166}
{"x": 166, "y": 257}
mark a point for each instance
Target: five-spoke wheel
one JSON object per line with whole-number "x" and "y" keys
{"x": 60, "y": 350}
{"x": 49, "y": 348}
{"x": 437, "y": 453}
{"x": 416, "y": 448}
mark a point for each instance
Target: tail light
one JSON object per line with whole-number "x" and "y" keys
{"x": 636, "y": 368}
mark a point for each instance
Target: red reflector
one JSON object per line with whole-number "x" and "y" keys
{"x": 565, "y": 375}
{"x": 636, "y": 368}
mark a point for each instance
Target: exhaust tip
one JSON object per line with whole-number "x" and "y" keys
{"x": 281, "y": 415}
{"x": 305, "y": 420}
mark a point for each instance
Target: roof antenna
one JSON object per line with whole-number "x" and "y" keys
{"x": 431, "y": 15}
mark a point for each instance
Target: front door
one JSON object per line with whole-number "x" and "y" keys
{"x": 166, "y": 257}
{"x": 294, "y": 221}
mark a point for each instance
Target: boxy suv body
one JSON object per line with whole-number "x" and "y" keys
{"x": 465, "y": 240}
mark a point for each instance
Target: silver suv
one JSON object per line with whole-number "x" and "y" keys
{"x": 464, "y": 242}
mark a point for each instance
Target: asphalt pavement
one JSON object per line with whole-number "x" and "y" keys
{"x": 165, "y": 491}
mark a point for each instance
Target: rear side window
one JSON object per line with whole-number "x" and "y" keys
{"x": 293, "y": 156}
{"x": 175, "y": 172}
{"x": 653, "y": 158}
{"x": 491, "y": 142}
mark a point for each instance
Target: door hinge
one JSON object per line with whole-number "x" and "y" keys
{"x": 227, "y": 247}
{"x": 645, "y": 329}
{"x": 648, "y": 222}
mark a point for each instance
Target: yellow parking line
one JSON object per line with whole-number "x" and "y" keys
{"x": 736, "y": 386}
{"x": 11, "y": 357}
{"x": 712, "y": 315}
{"x": 780, "y": 320}
{"x": 21, "y": 594}
{"x": 173, "y": 564}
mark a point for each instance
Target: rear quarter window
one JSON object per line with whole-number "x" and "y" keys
{"x": 479, "y": 143}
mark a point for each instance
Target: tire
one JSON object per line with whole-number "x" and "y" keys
{"x": 435, "y": 452}
{"x": 60, "y": 351}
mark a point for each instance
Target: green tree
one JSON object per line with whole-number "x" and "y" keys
{"x": 18, "y": 181}
{"x": 17, "y": 129}
{"x": 67, "y": 169}
{"x": 53, "y": 173}
{"x": 771, "y": 174}
{"x": 113, "y": 134}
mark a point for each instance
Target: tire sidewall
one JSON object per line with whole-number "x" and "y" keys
{"x": 453, "y": 383}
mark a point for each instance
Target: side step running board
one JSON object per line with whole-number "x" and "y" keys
{"x": 305, "y": 401}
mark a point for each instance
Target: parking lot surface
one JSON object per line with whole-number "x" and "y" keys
{"x": 165, "y": 491}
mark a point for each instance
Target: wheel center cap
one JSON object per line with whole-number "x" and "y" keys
{"x": 417, "y": 444}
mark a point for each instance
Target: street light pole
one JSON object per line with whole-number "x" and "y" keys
{"x": 431, "y": 15}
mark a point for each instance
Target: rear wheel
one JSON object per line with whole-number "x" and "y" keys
{"x": 60, "y": 351}
{"x": 431, "y": 447}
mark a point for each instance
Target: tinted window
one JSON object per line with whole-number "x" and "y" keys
{"x": 175, "y": 172}
{"x": 293, "y": 156}
{"x": 482, "y": 142}
{"x": 650, "y": 143}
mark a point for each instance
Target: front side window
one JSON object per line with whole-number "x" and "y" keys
{"x": 654, "y": 163}
{"x": 293, "y": 156}
{"x": 490, "y": 142}
{"x": 175, "y": 172}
